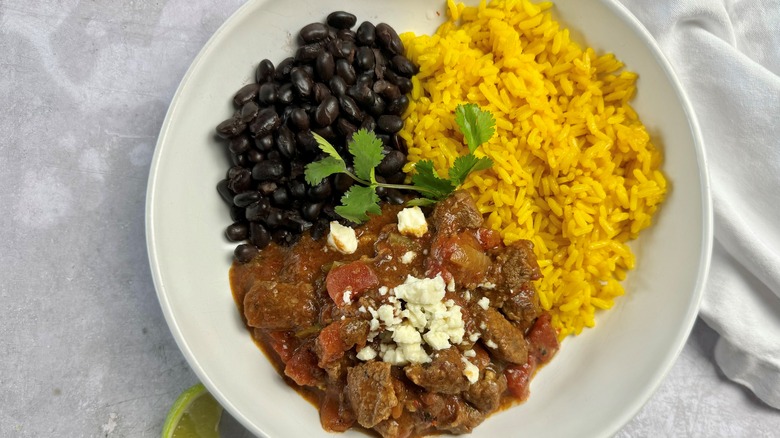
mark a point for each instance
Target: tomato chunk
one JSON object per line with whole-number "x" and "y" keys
{"x": 283, "y": 343}
{"x": 543, "y": 339}
{"x": 339, "y": 337}
{"x": 357, "y": 277}
{"x": 302, "y": 368}
{"x": 518, "y": 378}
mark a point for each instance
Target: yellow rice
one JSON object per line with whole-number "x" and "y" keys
{"x": 575, "y": 171}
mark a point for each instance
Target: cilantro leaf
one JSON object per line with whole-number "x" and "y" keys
{"x": 326, "y": 147}
{"x": 425, "y": 177}
{"x": 357, "y": 202}
{"x": 368, "y": 153}
{"x": 420, "y": 202}
{"x": 466, "y": 164}
{"x": 317, "y": 171}
{"x": 476, "y": 125}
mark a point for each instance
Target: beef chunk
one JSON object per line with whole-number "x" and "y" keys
{"x": 450, "y": 413}
{"x": 370, "y": 392}
{"x": 456, "y": 213}
{"x": 280, "y": 306}
{"x": 523, "y": 307}
{"x": 443, "y": 374}
{"x": 515, "y": 266}
{"x": 302, "y": 367}
{"x": 485, "y": 394}
{"x": 504, "y": 340}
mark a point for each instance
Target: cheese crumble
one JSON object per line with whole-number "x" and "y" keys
{"x": 342, "y": 238}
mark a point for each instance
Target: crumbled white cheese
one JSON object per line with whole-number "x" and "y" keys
{"x": 366, "y": 353}
{"x": 491, "y": 344}
{"x": 484, "y": 303}
{"x": 474, "y": 337}
{"x": 417, "y": 317}
{"x": 362, "y": 309}
{"x": 408, "y": 257}
{"x": 347, "y": 297}
{"x": 470, "y": 353}
{"x": 487, "y": 285}
{"x": 342, "y": 238}
{"x": 382, "y": 290}
{"x": 467, "y": 295}
{"x": 482, "y": 325}
{"x": 470, "y": 371}
{"x": 411, "y": 222}
{"x": 451, "y": 285}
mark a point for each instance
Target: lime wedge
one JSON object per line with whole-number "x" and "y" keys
{"x": 195, "y": 414}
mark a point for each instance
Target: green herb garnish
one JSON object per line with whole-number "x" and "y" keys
{"x": 477, "y": 126}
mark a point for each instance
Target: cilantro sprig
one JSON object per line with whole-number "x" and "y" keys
{"x": 477, "y": 127}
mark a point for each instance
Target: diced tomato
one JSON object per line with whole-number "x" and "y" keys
{"x": 331, "y": 344}
{"x": 302, "y": 367}
{"x": 518, "y": 378}
{"x": 543, "y": 339}
{"x": 283, "y": 343}
{"x": 357, "y": 277}
{"x": 489, "y": 239}
{"x": 335, "y": 417}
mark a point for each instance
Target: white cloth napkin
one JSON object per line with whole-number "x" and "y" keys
{"x": 727, "y": 55}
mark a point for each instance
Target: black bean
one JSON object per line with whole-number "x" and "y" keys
{"x": 245, "y": 94}
{"x": 257, "y": 210}
{"x": 311, "y": 33}
{"x": 293, "y": 221}
{"x": 267, "y": 170}
{"x": 240, "y": 181}
{"x": 254, "y": 156}
{"x": 311, "y": 210}
{"x": 351, "y": 109}
{"x": 285, "y": 142}
{"x": 365, "y": 79}
{"x": 386, "y": 89}
{"x": 396, "y": 178}
{"x": 329, "y": 211}
{"x": 369, "y": 123}
{"x": 274, "y": 218}
{"x": 327, "y": 133}
{"x": 364, "y": 58}
{"x": 237, "y": 214}
{"x": 266, "y": 122}
{"x": 259, "y": 235}
{"x": 346, "y": 71}
{"x": 264, "y": 143}
{"x": 239, "y": 144}
{"x": 337, "y": 86}
{"x": 224, "y": 192}
{"x": 342, "y": 182}
{"x": 231, "y": 127}
{"x": 307, "y": 53}
{"x": 246, "y": 198}
{"x": 342, "y": 50}
{"x": 264, "y": 72}
{"x": 341, "y": 20}
{"x": 404, "y": 84}
{"x": 299, "y": 119}
{"x": 283, "y": 69}
{"x": 306, "y": 141}
{"x": 403, "y": 66}
{"x": 394, "y": 196}
{"x": 267, "y": 93}
{"x": 327, "y": 112}
{"x": 273, "y": 155}
{"x": 237, "y": 231}
{"x": 398, "y": 143}
{"x": 388, "y": 39}
{"x": 390, "y": 124}
{"x": 347, "y": 35}
{"x": 380, "y": 61}
{"x": 391, "y": 163}
{"x": 302, "y": 82}
{"x": 245, "y": 253}
{"x": 283, "y": 237}
{"x": 320, "y": 92}
{"x": 320, "y": 228}
{"x": 325, "y": 66}
{"x": 281, "y": 197}
{"x": 362, "y": 95}
{"x": 321, "y": 191}
{"x": 238, "y": 159}
{"x": 297, "y": 168}
{"x": 398, "y": 106}
{"x": 297, "y": 189}
{"x": 366, "y": 33}
{"x": 385, "y": 139}
{"x": 377, "y": 108}
{"x": 345, "y": 128}
{"x": 266, "y": 187}
{"x": 284, "y": 95}
{"x": 249, "y": 111}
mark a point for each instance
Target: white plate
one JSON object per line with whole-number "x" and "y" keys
{"x": 597, "y": 382}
